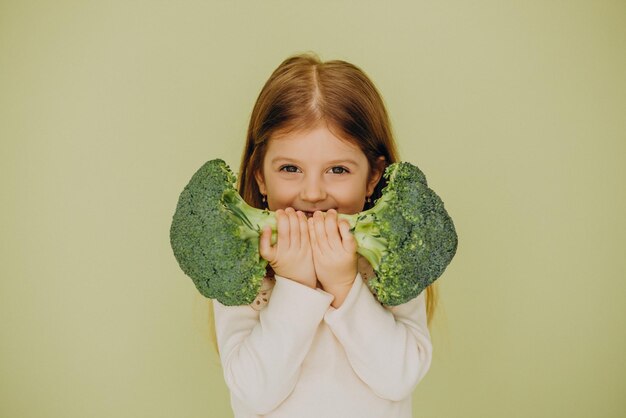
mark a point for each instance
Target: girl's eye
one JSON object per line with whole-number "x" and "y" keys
{"x": 339, "y": 170}
{"x": 289, "y": 168}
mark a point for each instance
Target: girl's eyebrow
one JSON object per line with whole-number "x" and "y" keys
{"x": 294, "y": 160}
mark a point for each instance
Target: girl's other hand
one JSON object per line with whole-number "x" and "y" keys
{"x": 291, "y": 256}
{"x": 334, "y": 253}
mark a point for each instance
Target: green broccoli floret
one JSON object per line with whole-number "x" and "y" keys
{"x": 407, "y": 237}
{"x": 215, "y": 236}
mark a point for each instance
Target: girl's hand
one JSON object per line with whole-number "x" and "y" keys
{"x": 334, "y": 253}
{"x": 291, "y": 256}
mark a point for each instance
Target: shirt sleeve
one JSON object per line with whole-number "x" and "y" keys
{"x": 262, "y": 350}
{"x": 389, "y": 348}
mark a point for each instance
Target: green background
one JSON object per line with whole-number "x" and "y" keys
{"x": 516, "y": 112}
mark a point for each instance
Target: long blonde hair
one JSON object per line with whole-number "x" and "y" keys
{"x": 304, "y": 91}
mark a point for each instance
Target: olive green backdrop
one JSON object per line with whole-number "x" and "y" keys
{"x": 514, "y": 110}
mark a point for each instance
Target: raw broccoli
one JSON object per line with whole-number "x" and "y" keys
{"x": 215, "y": 236}
{"x": 407, "y": 237}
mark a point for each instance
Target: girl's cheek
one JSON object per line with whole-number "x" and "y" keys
{"x": 352, "y": 201}
{"x": 280, "y": 199}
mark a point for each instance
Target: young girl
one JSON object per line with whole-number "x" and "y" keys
{"x": 316, "y": 342}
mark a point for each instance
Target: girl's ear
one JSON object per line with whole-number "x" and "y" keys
{"x": 377, "y": 173}
{"x": 258, "y": 176}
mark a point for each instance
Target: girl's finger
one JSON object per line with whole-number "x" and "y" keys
{"x": 332, "y": 232}
{"x": 347, "y": 239}
{"x": 320, "y": 231}
{"x": 304, "y": 229}
{"x": 294, "y": 227}
{"x": 282, "y": 226}
{"x": 313, "y": 235}
{"x": 265, "y": 247}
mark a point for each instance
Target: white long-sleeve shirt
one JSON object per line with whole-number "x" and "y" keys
{"x": 296, "y": 356}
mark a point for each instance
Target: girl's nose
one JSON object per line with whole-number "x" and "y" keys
{"x": 313, "y": 190}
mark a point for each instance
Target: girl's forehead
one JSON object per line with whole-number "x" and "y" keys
{"x": 316, "y": 141}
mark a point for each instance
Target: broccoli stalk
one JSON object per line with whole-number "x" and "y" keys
{"x": 407, "y": 237}
{"x": 252, "y": 220}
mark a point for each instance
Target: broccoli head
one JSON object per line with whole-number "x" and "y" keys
{"x": 407, "y": 237}
{"x": 215, "y": 236}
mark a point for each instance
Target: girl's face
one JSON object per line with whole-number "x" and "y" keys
{"x": 315, "y": 170}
